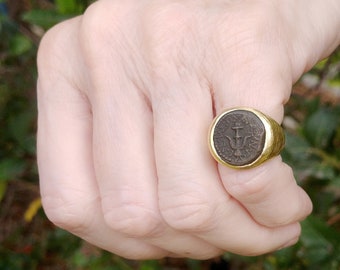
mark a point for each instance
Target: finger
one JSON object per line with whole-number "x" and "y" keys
{"x": 187, "y": 181}
{"x": 269, "y": 192}
{"x": 124, "y": 152}
{"x": 192, "y": 197}
{"x": 316, "y": 44}
{"x": 236, "y": 231}
{"x": 122, "y": 125}
{"x": 69, "y": 191}
{"x": 182, "y": 109}
{"x": 124, "y": 162}
{"x": 128, "y": 182}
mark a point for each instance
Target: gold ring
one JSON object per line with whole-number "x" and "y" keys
{"x": 244, "y": 138}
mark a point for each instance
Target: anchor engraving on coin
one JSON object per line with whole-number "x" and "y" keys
{"x": 239, "y": 137}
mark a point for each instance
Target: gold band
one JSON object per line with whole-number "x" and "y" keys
{"x": 244, "y": 138}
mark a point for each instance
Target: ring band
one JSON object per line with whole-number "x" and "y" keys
{"x": 244, "y": 138}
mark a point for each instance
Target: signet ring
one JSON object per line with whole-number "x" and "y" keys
{"x": 244, "y": 138}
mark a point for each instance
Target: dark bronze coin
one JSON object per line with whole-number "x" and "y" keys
{"x": 239, "y": 137}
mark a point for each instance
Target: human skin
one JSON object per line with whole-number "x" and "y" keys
{"x": 126, "y": 94}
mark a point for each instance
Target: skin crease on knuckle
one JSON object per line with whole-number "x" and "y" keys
{"x": 67, "y": 215}
{"x": 134, "y": 219}
{"x": 188, "y": 212}
{"x": 258, "y": 197}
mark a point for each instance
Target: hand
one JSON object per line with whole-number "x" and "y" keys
{"x": 126, "y": 96}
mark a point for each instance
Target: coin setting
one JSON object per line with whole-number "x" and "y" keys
{"x": 244, "y": 137}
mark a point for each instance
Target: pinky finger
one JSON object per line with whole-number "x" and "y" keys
{"x": 69, "y": 192}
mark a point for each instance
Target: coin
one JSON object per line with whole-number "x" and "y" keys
{"x": 239, "y": 137}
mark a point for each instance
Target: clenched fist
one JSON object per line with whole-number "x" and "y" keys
{"x": 126, "y": 95}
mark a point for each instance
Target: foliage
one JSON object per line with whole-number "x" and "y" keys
{"x": 63, "y": 9}
{"x": 17, "y": 107}
{"x": 29, "y": 241}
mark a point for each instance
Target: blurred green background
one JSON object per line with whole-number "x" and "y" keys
{"x": 29, "y": 241}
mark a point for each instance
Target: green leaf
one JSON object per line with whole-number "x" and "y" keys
{"x": 194, "y": 264}
{"x": 57, "y": 239}
{"x": 321, "y": 64}
{"x": 323, "y": 171}
{"x": 296, "y": 149}
{"x": 336, "y": 182}
{"x": 320, "y": 127}
{"x": 323, "y": 200}
{"x": 298, "y": 155}
{"x": 150, "y": 265}
{"x": 44, "y": 18}
{"x": 320, "y": 242}
{"x": 284, "y": 258}
{"x": 20, "y": 128}
{"x": 79, "y": 259}
{"x": 11, "y": 168}
{"x": 311, "y": 105}
{"x": 19, "y": 45}
{"x": 68, "y": 6}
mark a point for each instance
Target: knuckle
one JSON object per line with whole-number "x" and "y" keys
{"x": 53, "y": 46}
{"x": 170, "y": 52}
{"x": 297, "y": 211}
{"x": 257, "y": 185}
{"x": 102, "y": 18}
{"x": 264, "y": 13}
{"x": 189, "y": 212}
{"x": 257, "y": 28}
{"x": 110, "y": 32}
{"x": 66, "y": 214}
{"x": 108, "y": 24}
{"x": 169, "y": 18}
{"x": 273, "y": 221}
{"x": 58, "y": 57}
{"x": 250, "y": 189}
{"x": 134, "y": 220}
{"x": 90, "y": 22}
